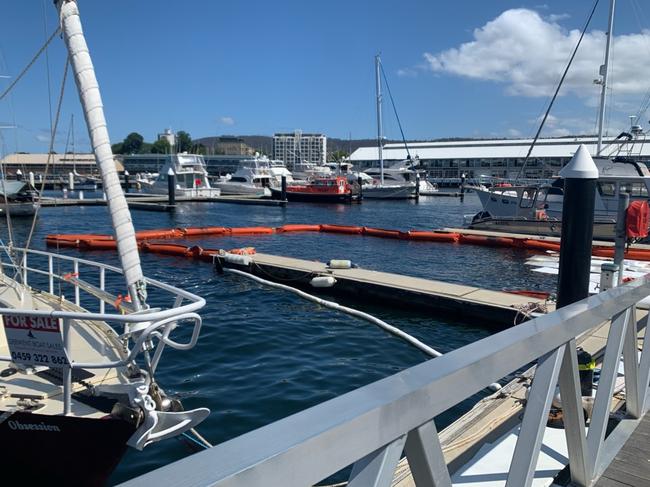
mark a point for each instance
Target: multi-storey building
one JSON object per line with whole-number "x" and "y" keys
{"x": 298, "y": 147}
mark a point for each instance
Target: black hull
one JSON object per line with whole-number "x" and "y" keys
{"x": 314, "y": 197}
{"x": 61, "y": 450}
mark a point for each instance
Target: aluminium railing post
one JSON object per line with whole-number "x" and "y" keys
{"x": 631, "y": 368}
{"x": 425, "y": 457}
{"x": 644, "y": 369}
{"x": 50, "y": 267}
{"x": 25, "y": 269}
{"x": 67, "y": 370}
{"x": 377, "y": 469}
{"x": 75, "y": 275}
{"x": 102, "y": 285}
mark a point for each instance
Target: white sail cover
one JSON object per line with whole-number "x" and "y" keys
{"x": 91, "y": 102}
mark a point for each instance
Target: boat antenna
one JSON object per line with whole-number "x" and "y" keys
{"x": 557, "y": 90}
{"x": 379, "y": 128}
{"x": 91, "y": 102}
{"x": 390, "y": 95}
{"x": 604, "y": 71}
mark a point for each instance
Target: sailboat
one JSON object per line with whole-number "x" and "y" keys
{"x": 392, "y": 183}
{"x": 77, "y": 384}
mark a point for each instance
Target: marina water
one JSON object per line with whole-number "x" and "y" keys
{"x": 265, "y": 354}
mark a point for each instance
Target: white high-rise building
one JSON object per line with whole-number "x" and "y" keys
{"x": 298, "y": 147}
{"x": 169, "y": 136}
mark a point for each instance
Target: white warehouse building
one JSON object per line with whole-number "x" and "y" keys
{"x": 499, "y": 158}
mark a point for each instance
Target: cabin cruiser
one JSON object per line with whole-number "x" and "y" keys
{"x": 191, "y": 177}
{"x": 304, "y": 171}
{"x": 252, "y": 178}
{"x": 537, "y": 208}
{"x": 278, "y": 171}
{"x": 18, "y": 198}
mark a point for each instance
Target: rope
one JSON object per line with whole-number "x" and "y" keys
{"x": 24, "y": 71}
{"x": 392, "y": 102}
{"x": 359, "y": 314}
{"x": 49, "y": 156}
{"x": 557, "y": 90}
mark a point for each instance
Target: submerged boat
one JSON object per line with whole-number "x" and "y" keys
{"x": 77, "y": 382}
{"x": 190, "y": 174}
{"x": 321, "y": 190}
{"x": 18, "y": 198}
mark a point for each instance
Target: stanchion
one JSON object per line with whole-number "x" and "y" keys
{"x": 171, "y": 187}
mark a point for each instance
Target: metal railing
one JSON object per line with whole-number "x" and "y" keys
{"x": 149, "y": 329}
{"x": 369, "y": 428}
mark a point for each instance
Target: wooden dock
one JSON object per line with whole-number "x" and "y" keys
{"x": 463, "y": 303}
{"x": 631, "y": 467}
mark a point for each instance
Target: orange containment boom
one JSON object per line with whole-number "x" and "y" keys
{"x": 106, "y": 242}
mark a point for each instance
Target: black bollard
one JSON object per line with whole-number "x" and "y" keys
{"x": 360, "y": 183}
{"x": 462, "y": 187}
{"x": 171, "y": 187}
{"x": 19, "y": 175}
{"x": 126, "y": 181}
{"x": 283, "y": 189}
{"x": 580, "y": 176}
{"x": 417, "y": 186}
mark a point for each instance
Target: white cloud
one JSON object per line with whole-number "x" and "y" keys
{"x": 227, "y": 120}
{"x": 514, "y": 133}
{"x": 528, "y": 54}
{"x": 555, "y": 17}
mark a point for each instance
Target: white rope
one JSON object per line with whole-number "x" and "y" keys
{"x": 354, "y": 312}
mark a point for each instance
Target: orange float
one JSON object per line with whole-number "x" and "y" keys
{"x": 166, "y": 249}
{"x": 487, "y": 241}
{"x": 541, "y": 245}
{"x": 379, "y": 232}
{"x": 298, "y": 228}
{"x": 198, "y": 231}
{"x": 432, "y": 236}
{"x": 347, "y": 229}
{"x": 250, "y": 230}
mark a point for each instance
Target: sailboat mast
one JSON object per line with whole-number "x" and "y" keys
{"x": 91, "y": 103}
{"x": 604, "y": 71}
{"x": 380, "y": 148}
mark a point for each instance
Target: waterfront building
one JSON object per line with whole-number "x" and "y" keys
{"x": 59, "y": 164}
{"x": 446, "y": 161}
{"x": 230, "y": 145}
{"x": 299, "y": 147}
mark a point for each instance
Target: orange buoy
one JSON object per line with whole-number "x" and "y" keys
{"x": 432, "y": 236}
{"x": 196, "y": 231}
{"x": 149, "y": 234}
{"x": 350, "y": 230}
{"x": 92, "y": 244}
{"x": 485, "y": 240}
{"x": 379, "y": 232}
{"x": 250, "y": 230}
{"x": 298, "y": 228}
{"x": 533, "y": 244}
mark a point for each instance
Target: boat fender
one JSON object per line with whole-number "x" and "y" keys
{"x": 339, "y": 264}
{"x": 323, "y": 281}
{"x": 237, "y": 259}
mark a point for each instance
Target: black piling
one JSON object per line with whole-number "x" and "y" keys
{"x": 417, "y": 186}
{"x": 283, "y": 190}
{"x": 171, "y": 187}
{"x": 360, "y": 183}
{"x": 126, "y": 181}
{"x": 462, "y": 187}
{"x": 580, "y": 176}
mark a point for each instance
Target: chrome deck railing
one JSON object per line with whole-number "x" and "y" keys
{"x": 371, "y": 427}
{"x": 148, "y": 329}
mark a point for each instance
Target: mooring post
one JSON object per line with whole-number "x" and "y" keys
{"x": 462, "y": 187}
{"x": 580, "y": 176}
{"x": 32, "y": 181}
{"x": 19, "y": 175}
{"x": 360, "y": 183}
{"x": 621, "y": 234}
{"x": 126, "y": 181}
{"x": 283, "y": 190}
{"x": 171, "y": 187}
{"x": 417, "y": 186}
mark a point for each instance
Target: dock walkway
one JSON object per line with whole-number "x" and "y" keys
{"x": 463, "y": 302}
{"x": 631, "y": 467}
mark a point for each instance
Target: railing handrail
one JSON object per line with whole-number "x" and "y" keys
{"x": 311, "y": 445}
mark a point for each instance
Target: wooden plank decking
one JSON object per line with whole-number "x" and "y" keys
{"x": 631, "y": 467}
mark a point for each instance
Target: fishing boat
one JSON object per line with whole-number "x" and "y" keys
{"x": 191, "y": 177}
{"x": 320, "y": 190}
{"x": 388, "y": 183}
{"x": 252, "y": 178}
{"x": 78, "y": 383}
{"x": 18, "y": 198}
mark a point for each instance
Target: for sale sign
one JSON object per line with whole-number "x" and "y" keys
{"x": 35, "y": 340}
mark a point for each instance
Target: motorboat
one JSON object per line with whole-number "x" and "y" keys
{"x": 397, "y": 181}
{"x": 80, "y": 343}
{"x": 252, "y": 178}
{"x": 191, "y": 177}
{"x": 278, "y": 171}
{"x": 320, "y": 190}
{"x": 18, "y": 198}
{"x": 305, "y": 171}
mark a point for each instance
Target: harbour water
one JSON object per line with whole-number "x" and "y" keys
{"x": 264, "y": 354}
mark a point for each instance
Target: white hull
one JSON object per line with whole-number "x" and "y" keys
{"x": 183, "y": 192}
{"x": 227, "y": 188}
{"x": 392, "y": 192}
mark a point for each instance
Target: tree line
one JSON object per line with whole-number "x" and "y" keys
{"x": 134, "y": 144}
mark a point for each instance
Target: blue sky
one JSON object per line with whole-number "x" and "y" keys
{"x": 472, "y": 68}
